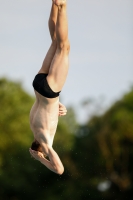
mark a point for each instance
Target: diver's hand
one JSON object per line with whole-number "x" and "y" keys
{"x": 36, "y": 154}
{"x": 62, "y": 109}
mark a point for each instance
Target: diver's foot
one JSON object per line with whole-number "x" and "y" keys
{"x": 59, "y": 2}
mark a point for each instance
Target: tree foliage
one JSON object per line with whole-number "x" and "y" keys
{"x": 114, "y": 135}
{"x": 95, "y": 154}
{"x": 19, "y": 174}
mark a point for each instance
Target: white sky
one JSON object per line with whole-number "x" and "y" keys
{"x": 101, "y": 57}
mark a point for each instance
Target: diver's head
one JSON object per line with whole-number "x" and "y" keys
{"x": 36, "y": 146}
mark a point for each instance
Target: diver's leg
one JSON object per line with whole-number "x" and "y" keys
{"x": 51, "y": 52}
{"x": 60, "y": 63}
{"x": 52, "y": 21}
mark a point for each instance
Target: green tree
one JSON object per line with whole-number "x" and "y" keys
{"x": 103, "y": 153}
{"x": 99, "y": 151}
{"x": 113, "y": 138}
{"x": 20, "y": 176}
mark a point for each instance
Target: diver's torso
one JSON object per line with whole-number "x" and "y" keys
{"x": 45, "y": 118}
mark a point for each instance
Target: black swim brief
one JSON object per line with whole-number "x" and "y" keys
{"x": 40, "y": 84}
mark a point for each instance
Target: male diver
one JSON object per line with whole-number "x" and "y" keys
{"x": 48, "y": 84}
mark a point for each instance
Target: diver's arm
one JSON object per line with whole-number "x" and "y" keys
{"x": 54, "y": 163}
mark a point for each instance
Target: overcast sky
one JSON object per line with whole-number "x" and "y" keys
{"x": 101, "y": 57}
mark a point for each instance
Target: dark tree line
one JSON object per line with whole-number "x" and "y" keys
{"x": 98, "y": 157}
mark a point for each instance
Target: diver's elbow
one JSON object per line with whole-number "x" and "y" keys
{"x": 60, "y": 170}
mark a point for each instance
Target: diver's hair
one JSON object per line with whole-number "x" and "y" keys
{"x": 36, "y": 146}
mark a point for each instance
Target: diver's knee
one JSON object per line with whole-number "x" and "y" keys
{"x": 64, "y": 46}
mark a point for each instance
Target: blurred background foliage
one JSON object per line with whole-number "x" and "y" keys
{"x": 98, "y": 156}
